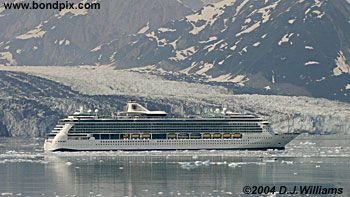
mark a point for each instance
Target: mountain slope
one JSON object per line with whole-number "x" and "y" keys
{"x": 292, "y": 47}
{"x": 61, "y": 38}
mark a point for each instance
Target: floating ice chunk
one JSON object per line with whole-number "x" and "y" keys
{"x": 287, "y": 162}
{"x": 6, "y": 194}
{"x": 68, "y": 163}
{"x": 234, "y": 165}
{"x": 269, "y": 160}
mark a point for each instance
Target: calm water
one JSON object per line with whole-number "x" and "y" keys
{"x": 25, "y": 170}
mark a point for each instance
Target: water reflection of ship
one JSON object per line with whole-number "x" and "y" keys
{"x": 137, "y": 175}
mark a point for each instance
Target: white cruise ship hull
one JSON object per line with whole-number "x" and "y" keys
{"x": 249, "y": 141}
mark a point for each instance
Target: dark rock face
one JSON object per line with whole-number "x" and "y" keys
{"x": 31, "y": 106}
{"x": 286, "y": 47}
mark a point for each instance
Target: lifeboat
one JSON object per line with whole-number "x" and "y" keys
{"x": 216, "y": 135}
{"x": 171, "y": 136}
{"x": 237, "y": 135}
{"x": 135, "y": 136}
{"x": 206, "y": 135}
{"x": 226, "y": 135}
{"x": 146, "y": 135}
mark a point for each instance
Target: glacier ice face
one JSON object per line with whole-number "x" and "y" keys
{"x": 35, "y": 98}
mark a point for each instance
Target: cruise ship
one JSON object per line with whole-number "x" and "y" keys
{"x": 137, "y": 128}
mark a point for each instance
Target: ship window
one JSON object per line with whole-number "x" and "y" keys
{"x": 114, "y": 136}
{"x": 158, "y": 136}
{"x": 104, "y": 136}
{"x": 96, "y": 136}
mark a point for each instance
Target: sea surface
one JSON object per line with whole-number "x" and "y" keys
{"x": 25, "y": 170}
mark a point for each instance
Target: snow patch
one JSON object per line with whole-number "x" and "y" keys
{"x": 34, "y": 33}
{"x": 285, "y": 39}
{"x": 342, "y": 65}
{"x": 212, "y": 38}
{"x": 75, "y": 12}
{"x": 183, "y": 54}
{"x": 347, "y": 87}
{"x": 322, "y": 78}
{"x": 235, "y": 45}
{"x": 206, "y": 67}
{"x": 239, "y": 7}
{"x": 266, "y": 11}
{"x": 1, "y": 10}
{"x": 187, "y": 70}
{"x": 256, "y": 44}
{"x": 225, "y": 25}
{"x": 160, "y": 42}
{"x": 174, "y": 43}
{"x": 63, "y": 42}
{"x": 8, "y": 57}
{"x": 221, "y": 62}
{"x": 239, "y": 79}
{"x": 144, "y": 29}
{"x": 318, "y": 13}
{"x": 211, "y": 47}
{"x": 318, "y": 3}
{"x": 244, "y": 50}
{"x": 96, "y": 49}
{"x": 208, "y": 14}
{"x": 309, "y": 47}
{"x": 291, "y": 21}
{"x": 249, "y": 29}
{"x": 163, "y": 29}
{"x": 311, "y": 63}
